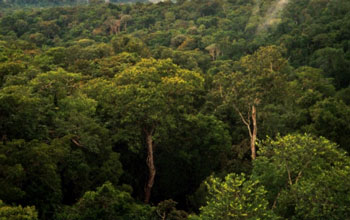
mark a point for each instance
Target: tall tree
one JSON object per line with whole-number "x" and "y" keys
{"x": 259, "y": 82}
{"x": 147, "y": 99}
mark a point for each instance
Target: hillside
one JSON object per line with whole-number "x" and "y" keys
{"x": 167, "y": 110}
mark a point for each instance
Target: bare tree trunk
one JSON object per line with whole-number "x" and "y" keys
{"x": 151, "y": 167}
{"x": 254, "y": 133}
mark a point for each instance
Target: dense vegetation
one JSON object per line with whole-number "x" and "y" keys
{"x": 203, "y": 109}
{"x": 49, "y": 3}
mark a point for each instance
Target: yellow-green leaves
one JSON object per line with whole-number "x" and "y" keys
{"x": 17, "y": 212}
{"x": 306, "y": 177}
{"x": 152, "y": 90}
{"x": 235, "y": 197}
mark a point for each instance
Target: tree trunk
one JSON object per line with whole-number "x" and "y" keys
{"x": 151, "y": 167}
{"x": 254, "y": 133}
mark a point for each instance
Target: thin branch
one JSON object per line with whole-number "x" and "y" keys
{"x": 298, "y": 177}
{"x": 247, "y": 123}
{"x": 76, "y": 143}
{"x": 301, "y": 171}
{"x": 275, "y": 201}
{"x": 220, "y": 90}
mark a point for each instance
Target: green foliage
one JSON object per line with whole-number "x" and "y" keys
{"x": 330, "y": 119}
{"x": 21, "y": 115}
{"x": 166, "y": 210}
{"x": 129, "y": 44}
{"x": 116, "y": 64}
{"x": 153, "y": 92}
{"x": 77, "y": 100}
{"x": 107, "y": 202}
{"x": 29, "y": 175}
{"x": 55, "y": 85}
{"x": 305, "y": 178}
{"x": 191, "y": 154}
{"x": 236, "y": 197}
{"x": 333, "y": 63}
{"x": 10, "y": 68}
{"x": 258, "y": 83}
{"x": 310, "y": 86}
{"x": 17, "y": 212}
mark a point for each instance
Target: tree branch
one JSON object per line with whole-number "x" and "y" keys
{"x": 301, "y": 171}
{"x": 247, "y": 123}
{"x": 275, "y": 201}
{"x": 289, "y": 175}
{"x": 76, "y": 142}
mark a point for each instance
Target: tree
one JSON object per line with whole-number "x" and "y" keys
{"x": 235, "y": 197}
{"x": 306, "y": 177}
{"x": 126, "y": 43}
{"x": 55, "y": 85}
{"x": 109, "y": 66}
{"x": 149, "y": 97}
{"x": 167, "y": 210}
{"x": 106, "y": 202}
{"x": 21, "y": 114}
{"x": 17, "y": 212}
{"x": 329, "y": 118}
{"x": 85, "y": 157}
{"x": 196, "y": 147}
{"x": 310, "y": 86}
{"x": 124, "y": 19}
{"x": 9, "y": 69}
{"x": 334, "y": 64}
{"x": 28, "y": 175}
{"x": 261, "y": 82}
{"x": 214, "y": 51}
{"x": 113, "y": 25}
